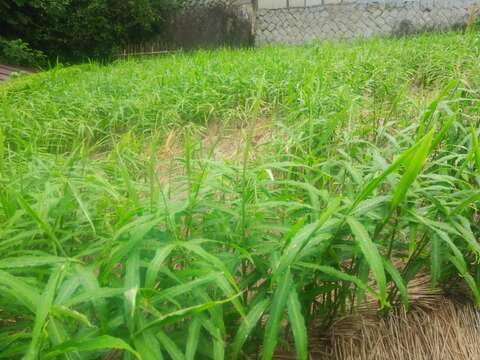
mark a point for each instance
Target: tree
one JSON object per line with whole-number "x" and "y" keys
{"x": 76, "y": 29}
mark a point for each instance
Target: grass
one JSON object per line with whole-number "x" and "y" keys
{"x": 217, "y": 204}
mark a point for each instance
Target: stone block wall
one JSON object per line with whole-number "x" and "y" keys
{"x": 239, "y": 23}
{"x": 300, "y": 21}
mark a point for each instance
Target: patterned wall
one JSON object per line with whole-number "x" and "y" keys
{"x": 300, "y": 21}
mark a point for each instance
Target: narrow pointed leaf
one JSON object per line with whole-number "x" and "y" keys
{"x": 101, "y": 342}
{"x": 398, "y": 280}
{"x": 372, "y": 256}
{"x": 247, "y": 325}
{"x": 42, "y": 312}
{"x": 297, "y": 323}
{"x": 192, "y": 340}
{"x": 275, "y": 316}
{"x": 154, "y": 266}
{"x": 413, "y": 169}
{"x": 172, "y": 349}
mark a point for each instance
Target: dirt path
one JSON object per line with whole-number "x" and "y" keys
{"x": 7, "y": 70}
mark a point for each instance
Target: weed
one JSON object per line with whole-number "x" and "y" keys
{"x": 370, "y": 176}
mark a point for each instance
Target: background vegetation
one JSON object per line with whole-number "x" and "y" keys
{"x": 73, "y": 30}
{"x": 128, "y": 229}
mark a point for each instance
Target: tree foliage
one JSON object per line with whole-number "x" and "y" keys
{"x": 76, "y": 29}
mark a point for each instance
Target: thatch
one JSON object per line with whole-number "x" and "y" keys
{"x": 437, "y": 327}
{"x": 446, "y": 330}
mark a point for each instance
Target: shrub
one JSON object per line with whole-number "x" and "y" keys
{"x": 18, "y": 52}
{"x": 77, "y": 29}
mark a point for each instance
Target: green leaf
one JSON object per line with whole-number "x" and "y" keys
{"x": 93, "y": 295}
{"x": 42, "y": 312}
{"x": 194, "y": 247}
{"x": 148, "y": 346}
{"x": 132, "y": 284}
{"x": 227, "y": 289}
{"x": 371, "y": 254}
{"x": 398, "y": 280}
{"x": 247, "y": 325}
{"x": 412, "y": 238}
{"x": 276, "y": 313}
{"x": 374, "y": 183}
{"x": 182, "y": 313}
{"x": 214, "y": 325}
{"x": 462, "y": 269}
{"x": 30, "y": 261}
{"x": 218, "y": 346}
{"x": 42, "y": 224}
{"x": 137, "y": 230}
{"x": 475, "y": 148}
{"x": 172, "y": 348}
{"x": 441, "y": 134}
{"x": 464, "y": 228}
{"x": 312, "y": 191}
{"x": 177, "y": 290}
{"x": 152, "y": 271}
{"x": 57, "y": 334}
{"x": 414, "y": 167}
{"x": 337, "y": 274}
{"x": 300, "y": 239}
{"x": 459, "y": 262}
{"x": 362, "y": 274}
{"x": 192, "y": 339}
{"x": 66, "y": 290}
{"x": 25, "y": 294}
{"x": 100, "y": 342}
{"x": 81, "y": 204}
{"x": 426, "y": 118}
{"x": 471, "y": 199}
{"x": 62, "y": 311}
{"x": 297, "y": 322}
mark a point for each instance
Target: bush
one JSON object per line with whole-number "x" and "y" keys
{"x": 77, "y": 29}
{"x": 18, "y": 52}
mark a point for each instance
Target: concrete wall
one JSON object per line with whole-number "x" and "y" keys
{"x": 300, "y": 21}
{"x": 213, "y": 23}
{"x": 210, "y": 23}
